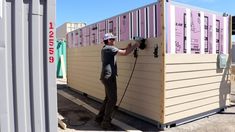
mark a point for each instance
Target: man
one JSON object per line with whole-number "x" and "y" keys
{"x": 108, "y": 77}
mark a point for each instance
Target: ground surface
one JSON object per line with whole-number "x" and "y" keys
{"x": 77, "y": 118}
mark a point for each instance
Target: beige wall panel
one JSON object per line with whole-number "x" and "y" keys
{"x": 190, "y": 58}
{"x": 192, "y": 112}
{"x": 194, "y": 85}
{"x": 190, "y": 67}
{"x": 194, "y": 74}
{"x": 192, "y": 89}
{"x": 197, "y": 81}
{"x": 144, "y": 92}
{"x": 190, "y": 105}
{"x": 191, "y": 97}
{"x": 140, "y": 67}
{"x": 155, "y": 115}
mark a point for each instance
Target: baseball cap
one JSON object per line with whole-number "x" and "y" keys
{"x": 109, "y": 36}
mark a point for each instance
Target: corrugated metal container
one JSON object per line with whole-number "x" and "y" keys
{"x": 28, "y": 96}
{"x": 177, "y": 77}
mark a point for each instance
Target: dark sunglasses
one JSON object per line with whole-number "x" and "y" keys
{"x": 112, "y": 39}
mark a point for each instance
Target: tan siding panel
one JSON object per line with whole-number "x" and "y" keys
{"x": 194, "y": 85}
{"x": 144, "y": 91}
{"x": 190, "y": 67}
{"x": 192, "y": 112}
{"x": 187, "y": 75}
{"x": 192, "y": 89}
{"x": 191, "y": 105}
{"x": 190, "y": 58}
{"x": 191, "y": 82}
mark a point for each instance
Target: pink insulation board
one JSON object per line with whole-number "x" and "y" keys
{"x": 195, "y": 32}
{"x": 75, "y": 39}
{"x": 113, "y": 26}
{"x": 135, "y": 24}
{"x": 180, "y": 32}
{"x": 158, "y": 20}
{"x": 143, "y": 22}
{"x": 213, "y": 29}
{"x": 70, "y": 40}
{"x": 125, "y": 27}
{"x": 102, "y": 30}
{"x": 79, "y": 37}
{"x": 94, "y": 34}
{"x": 82, "y": 37}
{"x": 87, "y": 35}
{"x": 152, "y": 21}
{"x": 185, "y": 33}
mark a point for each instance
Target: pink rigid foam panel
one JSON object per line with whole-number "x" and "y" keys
{"x": 208, "y": 33}
{"x": 152, "y": 19}
{"x": 124, "y": 27}
{"x": 75, "y": 39}
{"x": 93, "y": 34}
{"x": 70, "y": 40}
{"x": 143, "y": 22}
{"x": 82, "y": 36}
{"x": 87, "y": 35}
{"x": 195, "y": 32}
{"x": 79, "y": 37}
{"x": 102, "y": 30}
{"x": 112, "y": 26}
{"x": 158, "y": 20}
{"x": 135, "y": 26}
{"x": 180, "y": 31}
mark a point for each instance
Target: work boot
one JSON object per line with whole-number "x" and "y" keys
{"x": 106, "y": 125}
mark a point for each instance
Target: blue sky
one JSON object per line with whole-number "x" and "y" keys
{"x": 91, "y": 11}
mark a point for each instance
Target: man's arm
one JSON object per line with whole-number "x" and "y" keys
{"x": 128, "y": 49}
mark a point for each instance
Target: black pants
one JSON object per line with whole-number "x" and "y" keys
{"x": 110, "y": 99}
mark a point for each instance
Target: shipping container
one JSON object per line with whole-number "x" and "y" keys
{"x": 183, "y": 74}
{"x": 28, "y": 96}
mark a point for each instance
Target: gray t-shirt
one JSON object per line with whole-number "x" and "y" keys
{"x": 109, "y": 65}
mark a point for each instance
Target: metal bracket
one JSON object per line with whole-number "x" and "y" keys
{"x": 155, "y": 52}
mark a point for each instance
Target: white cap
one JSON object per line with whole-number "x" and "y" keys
{"x": 109, "y": 36}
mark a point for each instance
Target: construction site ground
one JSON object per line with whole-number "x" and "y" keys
{"x": 77, "y": 116}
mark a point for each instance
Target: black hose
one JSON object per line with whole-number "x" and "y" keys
{"x": 127, "y": 85}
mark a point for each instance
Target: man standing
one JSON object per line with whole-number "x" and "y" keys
{"x": 108, "y": 77}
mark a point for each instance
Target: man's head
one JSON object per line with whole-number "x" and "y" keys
{"x": 109, "y": 39}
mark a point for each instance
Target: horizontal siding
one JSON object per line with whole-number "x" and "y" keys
{"x": 144, "y": 91}
{"x": 194, "y": 85}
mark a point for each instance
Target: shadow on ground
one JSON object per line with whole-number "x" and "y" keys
{"x": 78, "y": 118}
